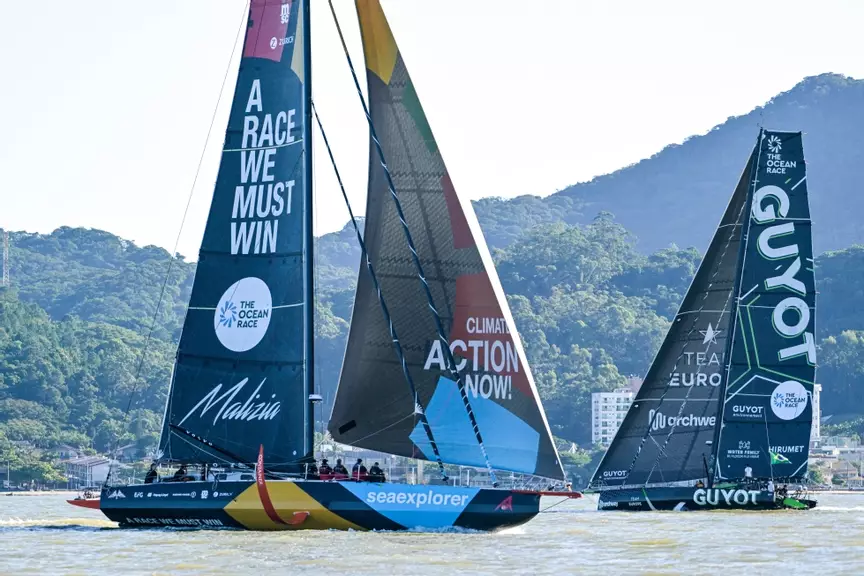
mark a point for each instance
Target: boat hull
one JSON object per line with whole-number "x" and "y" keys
{"x": 692, "y": 499}
{"x": 287, "y": 505}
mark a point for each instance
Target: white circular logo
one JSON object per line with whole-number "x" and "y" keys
{"x": 789, "y": 400}
{"x": 273, "y": 43}
{"x": 243, "y": 314}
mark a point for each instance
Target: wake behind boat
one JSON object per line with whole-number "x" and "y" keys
{"x": 433, "y": 369}
{"x": 723, "y": 417}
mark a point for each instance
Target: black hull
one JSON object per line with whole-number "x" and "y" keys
{"x": 286, "y": 505}
{"x": 683, "y": 499}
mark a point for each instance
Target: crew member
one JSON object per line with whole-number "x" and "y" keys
{"x": 376, "y": 474}
{"x": 700, "y": 484}
{"x": 152, "y": 474}
{"x": 325, "y": 469}
{"x": 312, "y": 471}
{"x": 339, "y": 468}
{"x": 358, "y": 472}
{"x": 180, "y": 474}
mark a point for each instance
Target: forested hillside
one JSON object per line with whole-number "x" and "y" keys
{"x": 591, "y": 310}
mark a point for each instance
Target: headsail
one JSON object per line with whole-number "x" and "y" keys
{"x": 767, "y": 413}
{"x": 373, "y": 406}
{"x": 242, "y": 368}
{"x": 667, "y": 435}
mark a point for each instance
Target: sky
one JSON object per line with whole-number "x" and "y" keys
{"x": 106, "y": 105}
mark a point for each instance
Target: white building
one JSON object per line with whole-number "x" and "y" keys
{"x": 815, "y": 429}
{"x": 607, "y": 412}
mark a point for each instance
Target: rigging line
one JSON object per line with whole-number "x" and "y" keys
{"x": 393, "y": 336}
{"x": 445, "y": 344}
{"x": 182, "y": 223}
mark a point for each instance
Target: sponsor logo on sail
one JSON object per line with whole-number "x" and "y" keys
{"x": 285, "y": 13}
{"x": 716, "y": 496}
{"x": 710, "y": 334}
{"x": 204, "y": 494}
{"x": 243, "y": 314}
{"x": 794, "y": 449}
{"x": 744, "y": 451}
{"x": 769, "y": 203}
{"x": 704, "y": 367}
{"x": 748, "y": 411}
{"x": 614, "y": 473}
{"x": 117, "y": 494}
{"x": 789, "y": 400}
{"x": 228, "y": 409}
{"x": 659, "y": 421}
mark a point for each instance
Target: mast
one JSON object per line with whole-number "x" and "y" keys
{"x": 309, "y": 230}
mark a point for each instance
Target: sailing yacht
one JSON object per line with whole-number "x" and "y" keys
{"x": 433, "y": 370}
{"x": 723, "y": 417}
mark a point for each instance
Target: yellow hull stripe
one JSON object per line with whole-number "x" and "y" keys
{"x": 287, "y": 498}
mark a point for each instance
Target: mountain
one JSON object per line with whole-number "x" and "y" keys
{"x": 687, "y": 186}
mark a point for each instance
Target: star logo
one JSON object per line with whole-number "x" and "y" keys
{"x": 710, "y": 335}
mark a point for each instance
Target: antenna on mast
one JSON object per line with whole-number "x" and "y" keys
{"x": 5, "y": 282}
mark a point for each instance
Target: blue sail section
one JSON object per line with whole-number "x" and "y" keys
{"x": 240, "y": 378}
{"x": 511, "y": 442}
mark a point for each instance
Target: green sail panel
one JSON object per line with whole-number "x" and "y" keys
{"x": 374, "y": 407}
{"x": 241, "y": 375}
{"x": 666, "y": 437}
{"x": 767, "y": 413}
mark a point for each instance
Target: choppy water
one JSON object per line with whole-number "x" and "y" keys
{"x": 44, "y": 535}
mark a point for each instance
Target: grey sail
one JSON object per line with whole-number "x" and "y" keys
{"x": 767, "y": 410}
{"x": 667, "y": 435}
{"x": 374, "y": 407}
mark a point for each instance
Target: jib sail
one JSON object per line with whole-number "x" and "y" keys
{"x": 666, "y": 436}
{"x": 241, "y": 374}
{"x": 767, "y": 413}
{"x": 373, "y": 406}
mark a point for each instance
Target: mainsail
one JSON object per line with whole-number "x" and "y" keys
{"x": 374, "y": 407}
{"x": 667, "y": 436}
{"x": 242, "y": 373}
{"x": 767, "y": 413}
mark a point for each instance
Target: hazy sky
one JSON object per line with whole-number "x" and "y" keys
{"x": 105, "y": 104}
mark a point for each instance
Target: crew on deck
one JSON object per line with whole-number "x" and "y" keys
{"x": 339, "y": 469}
{"x": 325, "y": 472}
{"x": 376, "y": 474}
{"x": 181, "y": 475}
{"x": 152, "y": 474}
{"x": 359, "y": 472}
{"x": 312, "y": 470}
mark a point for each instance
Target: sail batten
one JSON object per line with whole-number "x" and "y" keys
{"x": 461, "y": 283}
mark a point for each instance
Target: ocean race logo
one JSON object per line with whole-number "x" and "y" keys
{"x": 659, "y": 421}
{"x": 225, "y": 408}
{"x": 243, "y": 314}
{"x": 703, "y": 368}
{"x": 259, "y": 199}
{"x": 789, "y": 400}
{"x": 493, "y": 357}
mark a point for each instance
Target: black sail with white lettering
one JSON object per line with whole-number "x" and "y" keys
{"x": 374, "y": 407}
{"x": 666, "y": 436}
{"x": 767, "y": 413}
{"x": 240, "y": 378}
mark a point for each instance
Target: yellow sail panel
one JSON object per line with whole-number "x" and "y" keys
{"x": 379, "y": 46}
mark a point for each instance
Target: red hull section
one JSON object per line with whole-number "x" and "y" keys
{"x": 92, "y": 503}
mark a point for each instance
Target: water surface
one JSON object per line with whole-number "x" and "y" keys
{"x": 44, "y": 535}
